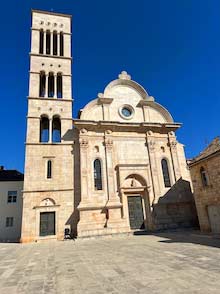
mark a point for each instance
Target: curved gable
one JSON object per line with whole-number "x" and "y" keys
{"x": 125, "y": 93}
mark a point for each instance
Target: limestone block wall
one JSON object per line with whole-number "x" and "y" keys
{"x": 33, "y": 206}
{"x": 139, "y": 153}
{"x": 206, "y": 195}
{"x": 51, "y": 22}
{"x": 36, "y": 167}
{"x": 55, "y": 194}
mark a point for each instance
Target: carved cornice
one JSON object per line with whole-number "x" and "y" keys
{"x": 51, "y": 13}
{"x": 50, "y": 56}
{"x": 141, "y": 127}
{"x": 103, "y": 100}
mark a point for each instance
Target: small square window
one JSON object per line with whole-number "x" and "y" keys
{"x": 9, "y": 221}
{"x": 12, "y": 196}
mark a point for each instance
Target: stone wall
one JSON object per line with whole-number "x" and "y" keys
{"x": 206, "y": 195}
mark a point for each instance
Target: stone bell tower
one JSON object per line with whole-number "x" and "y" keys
{"x": 48, "y": 184}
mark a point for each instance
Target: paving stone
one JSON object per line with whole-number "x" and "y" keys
{"x": 179, "y": 262}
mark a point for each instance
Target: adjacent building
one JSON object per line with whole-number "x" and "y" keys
{"x": 11, "y": 186}
{"x": 118, "y": 167}
{"x": 205, "y": 173}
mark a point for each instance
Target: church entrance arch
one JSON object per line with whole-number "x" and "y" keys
{"x": 136, "y": 205}
{"x": 47, "y": 217}
{"x": 135, "y": 212}
{"x": 47, "y": 223}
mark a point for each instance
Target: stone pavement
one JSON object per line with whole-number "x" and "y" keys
{"x": 178, "y": 262}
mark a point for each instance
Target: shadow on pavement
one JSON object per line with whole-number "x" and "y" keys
{"x": 184, "y": 236}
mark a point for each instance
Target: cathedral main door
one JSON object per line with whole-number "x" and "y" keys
{"x": 47, "y": 223}
{"x": 136, "y": 215}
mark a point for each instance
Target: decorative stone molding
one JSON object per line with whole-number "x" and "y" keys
{"x": 47, "y": 202}
{"x": 151, "y": 145}
{"x": 149, "y": 133}
{"x": 84, "y": 143}
{"x": 171, "y": 134}
{"x": 83, "y": 131}
{"x": 108, "y": 143}
{"x": 100, "y": 95}
{"x": 108, "y": 132}
{"x": 173, "y": 144}
{"x": 124, "y": 76}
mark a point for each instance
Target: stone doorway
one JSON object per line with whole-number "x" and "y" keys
{"x": 135, "y": 210}
{"x": 214, "y": 218}
{"x": 47, "y": 223}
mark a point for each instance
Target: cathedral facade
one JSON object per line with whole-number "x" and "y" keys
{"x": 116, "y": 168}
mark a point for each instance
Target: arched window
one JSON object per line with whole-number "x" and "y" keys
{"x": 41, "y": 43}
{"x": 48, "y": 42}
{"x": 56, "y": 130}
{"x": 165, "y": 170}
{"x": 97, "y": 175}
{"x": 59, "y": 85}
{"x": 49, "y": 169}
{"x": 55, "y": 43}
{"x": 42, "y": 84}
{"x": 44, "y": 129}
{"x": 204, "y": 177}
{"x": 51, "y": 85}
{"x": 61, "y": 44}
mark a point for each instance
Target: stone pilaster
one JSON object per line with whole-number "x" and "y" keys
{"x": 84, "y": 143}
{"x": 151, "y": 146}
{"x": 173, "y": 151}
{"x": 112, "y": 197}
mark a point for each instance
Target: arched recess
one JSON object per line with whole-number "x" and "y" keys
{"x": 42, "y": 87}
{"x": 59, "y": 85}
{"x": 54, "y": 42}
{"x": 48, "y": 42}
{"x": 56, "y": 129}
{"x": 47, "y": 202}
{"x": 138, "y": 178}
{"x": 166, "y": 172}
{"x": 204, "y": 177}
{"x": 41, "y": 41}
{"x": 51, "y": 84}
{"x": 49, "y": 169}
{"x": 61, "y": 44}
{"x": 97, "y": 169}
{"x": 44, "y": 129}
{"x": 136, "y": 202}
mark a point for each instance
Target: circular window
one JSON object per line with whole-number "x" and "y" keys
{"x": 126, "y": 111}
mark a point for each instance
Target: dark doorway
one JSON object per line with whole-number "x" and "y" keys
{"x": 47, "y": 223}
{"x": 135, "y": 209}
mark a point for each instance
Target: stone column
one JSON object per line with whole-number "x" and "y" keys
{"x": 50, "y": 130}
{"x": 55, "y": 86}
{"x": 51, "y": 43}
{"x": 45, "y": 41}
{"x": 58, "y": 44}
{"x": 174, "y": 156}
{"x": 46, "y": 85}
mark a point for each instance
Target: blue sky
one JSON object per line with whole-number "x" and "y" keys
{"x": 170, "y": 47}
